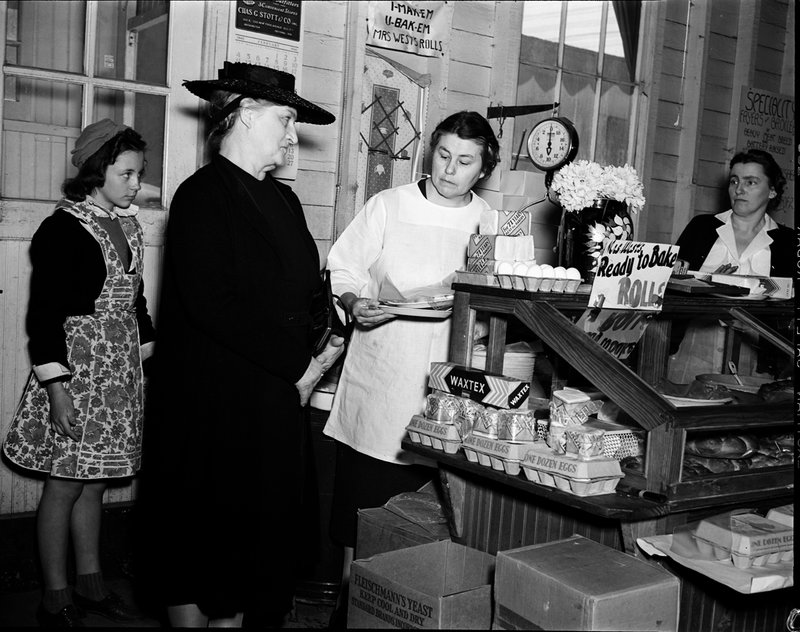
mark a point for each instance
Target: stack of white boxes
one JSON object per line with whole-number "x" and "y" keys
{"x": 512, "y": 191}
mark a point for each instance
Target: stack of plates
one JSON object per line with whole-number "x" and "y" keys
{"x": 518, "y": 360}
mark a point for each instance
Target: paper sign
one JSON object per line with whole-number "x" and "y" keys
{"x": 269, "y": 33}
{"x": 633, "y": 275}
{"x": 618, "y": 331}
{"x": 421, "y": 28}
{"x": 767, "y": 121}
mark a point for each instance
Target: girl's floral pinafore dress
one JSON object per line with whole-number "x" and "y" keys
{"x": 106, "y": 384}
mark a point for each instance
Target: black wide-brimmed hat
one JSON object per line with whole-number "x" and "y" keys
{"x": 261, "y": 82}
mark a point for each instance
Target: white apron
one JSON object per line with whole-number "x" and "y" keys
{"x": 384, "y": 378}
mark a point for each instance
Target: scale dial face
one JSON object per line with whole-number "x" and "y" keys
{"x": 552, "y": 143}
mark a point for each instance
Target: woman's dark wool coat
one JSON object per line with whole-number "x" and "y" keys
{"x": 228, "y": 490}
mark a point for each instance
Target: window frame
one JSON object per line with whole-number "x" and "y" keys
{"x": 177, "y": 49}
{"x": 634, "y": 127}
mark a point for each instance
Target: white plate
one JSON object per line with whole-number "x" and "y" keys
{"x": 688, "y": 401}
{"x": 446, "y": 300}
{"x": 741, "y": 297}
{"x": 415, "y": 312}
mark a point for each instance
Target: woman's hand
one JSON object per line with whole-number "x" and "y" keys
{"x": 331, "y": 352}
{"x": 726, "y": 268}
{"x": 317, "y": 366}
{"x": 62, "y": 411}
{"x": 366, "y": 312}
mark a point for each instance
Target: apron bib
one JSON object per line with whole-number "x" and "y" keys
{"x": 106, "y": 384}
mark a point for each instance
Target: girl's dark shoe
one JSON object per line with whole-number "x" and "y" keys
{"x": 68, "y": 617}
{"x": 111, "y": 607}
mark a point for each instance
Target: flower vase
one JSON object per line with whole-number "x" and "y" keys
{"x": 584, "y": 234}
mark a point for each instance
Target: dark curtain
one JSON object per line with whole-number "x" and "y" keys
{"x": 628, "y": 14}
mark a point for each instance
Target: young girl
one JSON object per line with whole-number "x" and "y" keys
{"x": 80, "y": 417}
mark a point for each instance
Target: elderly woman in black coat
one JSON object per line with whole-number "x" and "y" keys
{"x": 227, "y": 458}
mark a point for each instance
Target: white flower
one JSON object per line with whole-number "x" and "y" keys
{"x": 581, "y": 182}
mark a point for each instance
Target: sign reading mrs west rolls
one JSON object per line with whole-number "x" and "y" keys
{"x": 421, "y": 28}
{"x": 633, "y": 275}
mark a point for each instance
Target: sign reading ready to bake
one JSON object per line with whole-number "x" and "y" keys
{"x": 633, "y": 275}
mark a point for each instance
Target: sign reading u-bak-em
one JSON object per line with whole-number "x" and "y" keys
{"x": 493, "y": 390}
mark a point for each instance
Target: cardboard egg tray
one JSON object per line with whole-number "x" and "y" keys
{"x": 783, "y": 515}
{"x": 496, "y": 453}
{"x": 721, "y": 554}
{"x": 538, "y": 284}
{"x": 746, "y": 539}
{"x": 434, "y": 434}
{"x": 582, "y": 477}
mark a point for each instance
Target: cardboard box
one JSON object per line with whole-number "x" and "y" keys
{"x": 499, "y": 222}
{"x": 442, "y": 585}
{"x": 381, "y": 530}
{"x": 503, "y": 201}
{"x": 493, "y": 390}
{"x": 574, "y": 406}
{"x": 527, "y": 183}
{"x": 502, "y": 247}
{"x": 579, "y": 584}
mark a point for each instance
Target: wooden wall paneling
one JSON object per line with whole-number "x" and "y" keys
{"x": 19, "y": 493}
{"x": 713, "y": 149}
{"x": 470, "y": 79}
{"x": 787, "y": 69}
{"x": 721, "y": 46}
{"x": 743, "y": 65}
{"x": 720, "y": 97}
{"x": 690, "y": 114}
{"x": 327, "y": 18}
{"x": 505, "y": 72}
{"x": 471, "y": 47}
{"x": 315, "y": 187}
{"x": 712, "y": 174}
{"x": 724, "y": 15}
{"x": 474, "y": 16}
{"x": 349, "y": 124}
{"x": 319, "y": 222}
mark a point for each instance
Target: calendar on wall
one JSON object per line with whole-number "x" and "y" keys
{"x": 269, "y": 33}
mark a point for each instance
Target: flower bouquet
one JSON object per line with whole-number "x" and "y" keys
{"x": 580, "y": 183}
{"x": 596, "y": 202}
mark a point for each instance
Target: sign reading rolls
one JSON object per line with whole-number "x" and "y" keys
{"x": 492, "y": 390}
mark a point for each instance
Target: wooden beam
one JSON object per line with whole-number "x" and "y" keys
{"x": 689, "y": 114}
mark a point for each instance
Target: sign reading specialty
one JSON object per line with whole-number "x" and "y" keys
{"x": 633, "y": 275}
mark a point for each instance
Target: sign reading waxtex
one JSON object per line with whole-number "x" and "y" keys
{"x": 421, "y": 28}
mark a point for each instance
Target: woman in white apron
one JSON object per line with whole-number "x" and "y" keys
{"x": 80, "y": 417}
{"x": 414, "y": 236}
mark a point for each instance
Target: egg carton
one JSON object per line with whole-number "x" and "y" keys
{"x": 747, "y": 539}
{"x": 538, "y": 284}
{"x": 722, "y": 554}
{"x": 496, "y": 453}
{"x": 577, "y": 486}
{"x": 434, "y": 434}
{"x": 582, "y": 477}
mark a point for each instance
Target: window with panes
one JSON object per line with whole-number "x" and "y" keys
{"x": 581, "y": 55}
{"x": 68, "y": 64}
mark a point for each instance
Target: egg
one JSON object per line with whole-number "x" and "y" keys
{"x": 520, "y": 269}
{"x": 573, "y": 274}
{"x": 534, "y": 270}
{"x": 547, "y": 270}
{"x": 560, "y": 272}
{"x": 505, "y": 267}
